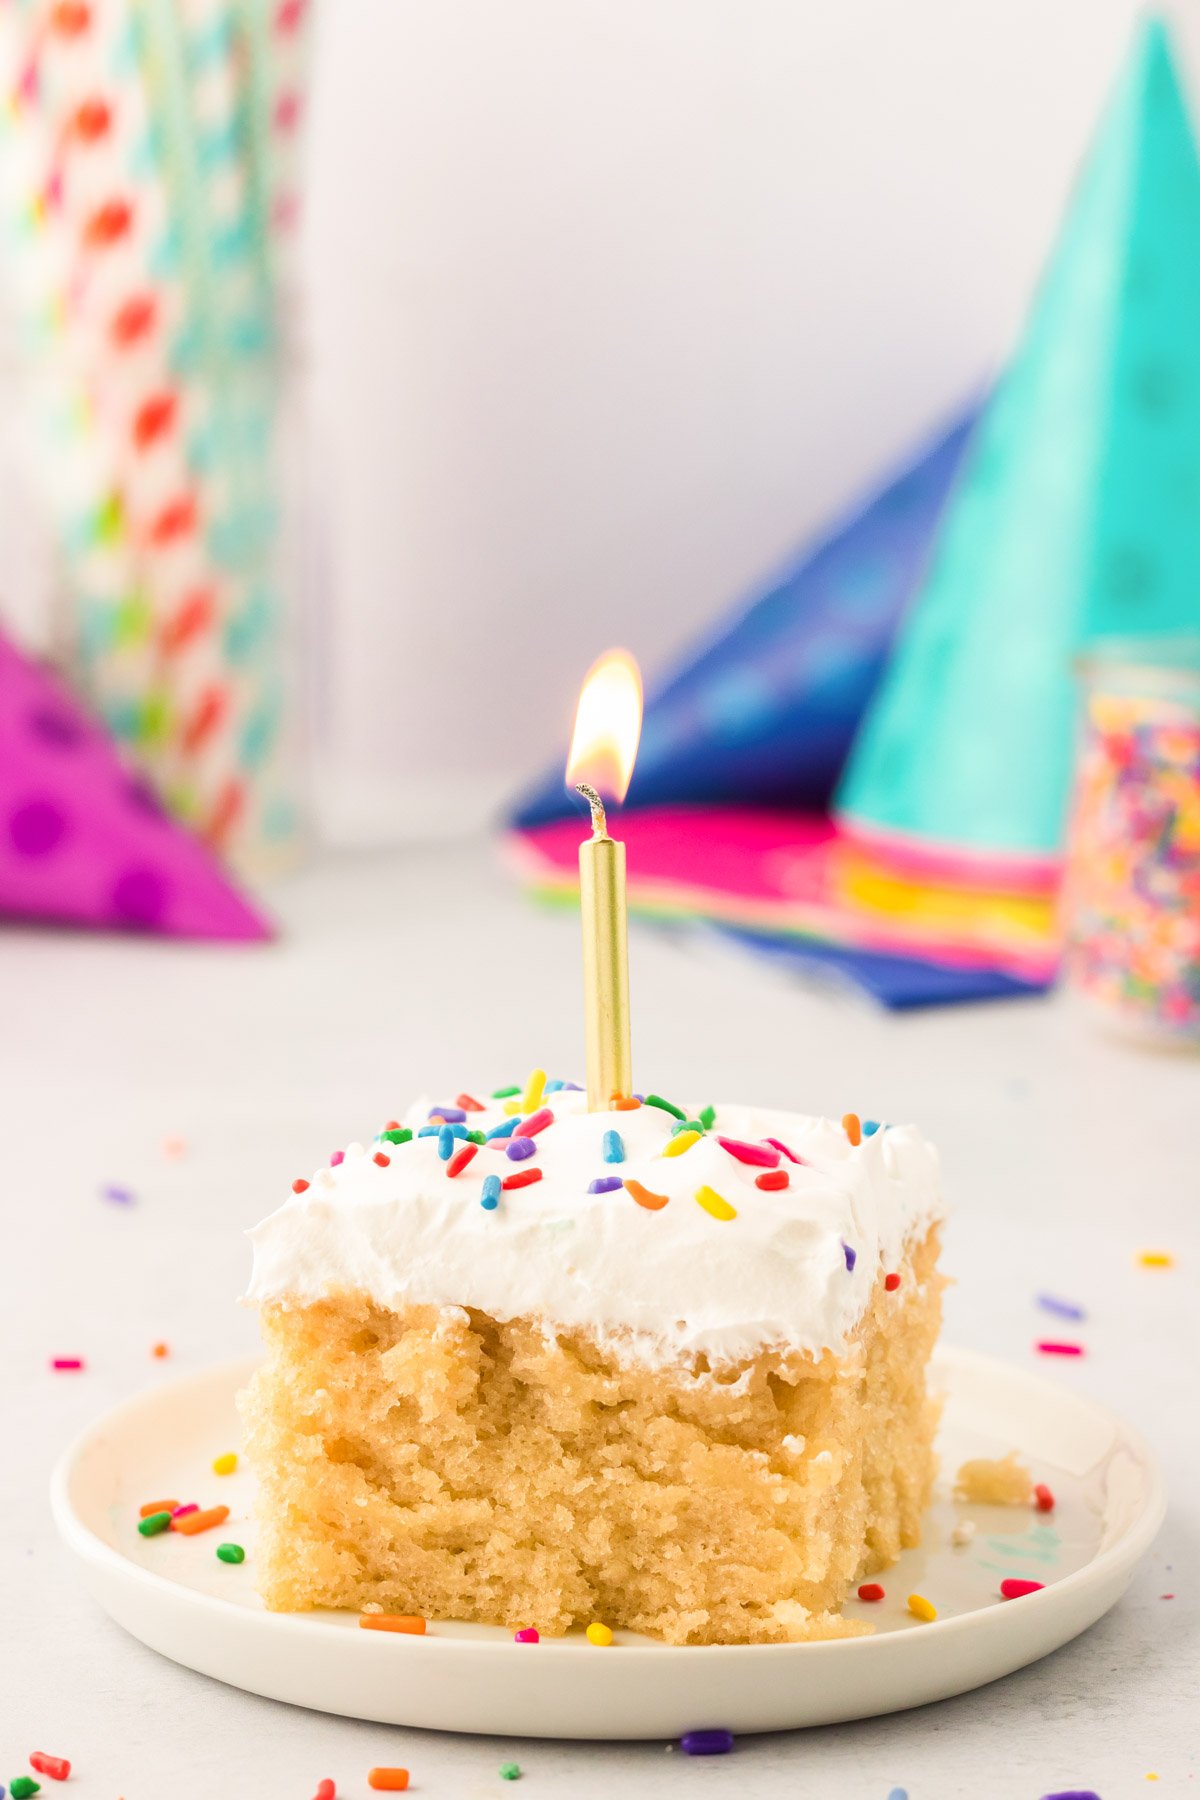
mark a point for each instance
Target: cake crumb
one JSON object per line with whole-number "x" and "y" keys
{"x": 963, "y": 1532}
{"x": 995, "y": 1481}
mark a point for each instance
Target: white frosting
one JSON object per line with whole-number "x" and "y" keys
{"x": 666, "y": 1284}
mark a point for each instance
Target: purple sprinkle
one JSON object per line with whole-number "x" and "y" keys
{"x": 706, "y": 1743}
{"x": 519, "y": 1148}
{"x": 1072, "y": 1794}
{"x": 450, "y": 1115}
{"x": 121, "y": 1196}
{"x": 571, "y": 1087}
{"x": 605, "y": 1184}
{"x": 337, "y": 1157}
{"x": 1065, "y": 1309}
{"x": 850, "y": 1255}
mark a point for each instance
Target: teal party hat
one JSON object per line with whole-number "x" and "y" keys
{"x": 1077, "y": 514}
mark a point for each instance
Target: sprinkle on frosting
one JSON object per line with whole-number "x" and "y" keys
{"x": 715, "y": 1204}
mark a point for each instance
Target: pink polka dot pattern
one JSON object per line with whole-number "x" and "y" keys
{"x": 83, "y": 838}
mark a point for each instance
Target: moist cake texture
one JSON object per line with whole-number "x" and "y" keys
{"x": 672, "y": 1382}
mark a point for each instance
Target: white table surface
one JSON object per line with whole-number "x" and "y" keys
{"x": 1064, "y": 1154}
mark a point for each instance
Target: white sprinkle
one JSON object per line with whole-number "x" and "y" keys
{"x": 963, "y": 1532}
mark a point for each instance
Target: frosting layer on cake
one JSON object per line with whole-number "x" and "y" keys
{"x": 668, "y": 1276}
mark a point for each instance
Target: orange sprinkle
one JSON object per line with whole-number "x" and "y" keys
{"x": 190, "y": 1523}
{"x": 153, "y": 1506}
{"x": 643, "y": 1196}
{"x": 852, "y": 1127}
{"x": 394, "y": 1780}
{"x": 408, "y": 1623}
{"x": 160, "y": 1350}
{"x": 623, "y": 1103}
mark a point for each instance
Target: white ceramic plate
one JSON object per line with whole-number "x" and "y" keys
{"x": 174, "y": 1594}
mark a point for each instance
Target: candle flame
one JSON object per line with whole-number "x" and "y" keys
{"x": 608, "y": 724}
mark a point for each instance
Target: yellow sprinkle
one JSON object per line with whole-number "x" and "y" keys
{"x": 921, "y": 1608}
{"x": 225, "y": 1465}
{"x": 599, "y": 1634}
{"x": 712, "y": 1203}
{"x": 512, "y": 1108}
{"x": 1156, "y": 1259}
{"x": 535, "y": 1087}
{"x": 683, "y": 1142}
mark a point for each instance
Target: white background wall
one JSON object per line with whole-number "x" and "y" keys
{"x": 611, "y": 301}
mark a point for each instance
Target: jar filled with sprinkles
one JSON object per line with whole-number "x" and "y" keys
{"x": 1131, "y": 894}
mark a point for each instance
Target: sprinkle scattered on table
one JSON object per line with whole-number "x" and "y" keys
{"x": 921, "y": 1608}
{"x": 408, "y": 1624}
{"x": 21, "y": 1786}
{"x": 56, "y": 1767}
{"x": 510, "y": 1771}
{"x": 392, "y": 1781}
{"x": 1043, "y": 1499}
{"x": 1063, "y": 1309}
{"x": 1057, "y": 1347}
{"x": 871, "y": 1590}
{"x": 1156, "y": 1259}
{"x": 174, "y": 1147}
{"x": 529, "y": 1634}
{"x": 600, "y": 1635}
{"x": 231, "y": 1553}
{"x": 66, "y": 1363}
{"x": 226, "y": 1463}
{"x": 160, "y": 1350}
{"x": 715, "y": 1742}
{"x": 898, "y": 1794}
{"x": 326, "y": 1790}
{"x": 1013, "y": 1589}
{"x": 119, "y": 1195}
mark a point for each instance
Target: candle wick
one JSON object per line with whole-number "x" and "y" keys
{"x": 599, "y": 822}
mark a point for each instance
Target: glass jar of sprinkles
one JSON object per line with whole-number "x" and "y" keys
{"x": 1131, "y": 893}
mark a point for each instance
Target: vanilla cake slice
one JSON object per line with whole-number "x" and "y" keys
{"x": 659, "y": 1369}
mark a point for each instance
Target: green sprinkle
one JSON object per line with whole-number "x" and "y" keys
{"x": 156, "y": 1522}
{"x": 664, "y": 1106}
{"x": 476, "y": 1137}
{"x": 506, "y": 1093}
{"x": 708, "y": 1117}
{"x": 231, "y": 1553}
{"x": 508, "y": 1772}
{"x": 21, "y": 1786}
{"x": 402, "y": 1136}
{"x": 687, "y": 1125}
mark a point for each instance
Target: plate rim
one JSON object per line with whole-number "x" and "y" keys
{"x": 1123, "y": 1553}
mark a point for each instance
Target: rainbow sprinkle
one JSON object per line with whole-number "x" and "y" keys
{"x": 605, "y": 1184}
{"x": 613, "y": 1147}
{"x": 489, "y": 1199}
{"x": 715, "y": 1204}
{"x": 663, "y": 1105}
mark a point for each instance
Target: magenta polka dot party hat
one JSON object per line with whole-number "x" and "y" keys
{"x": 83, "y": 839}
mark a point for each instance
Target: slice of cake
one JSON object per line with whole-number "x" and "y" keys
{"x": 653, "y": 1367}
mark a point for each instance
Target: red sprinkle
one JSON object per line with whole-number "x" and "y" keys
{"x": 776, "y": 1144}
{"x": 468, "y": 1103}
{"x": 56, "y": 1767}
{"x": 66, "y": 1362}
{"x": 870, "y": 1590}
{"x": 891, "y": 1283}
{"x": 298, "y": 1187}
{"x": 325, "y": 1790}
{"x": 772, "y": 1180}
{"x": 1050, "y": 1347}
{"x": 522, "y": 1178}
{"x": 108, "y": 223}
{"x": 760, "y": 1155}
{"x": 393, "y": 1125}
{"x": 529, "y": 1635}
{"x": 536, "y": 1122}
{"x": 135, "y": 318}
{"x": 462, "y": 1156}
{"x": 1013, "y": 1589}
{"x": 383, "y": 1161}
{"x": 1043, "y": 1497}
